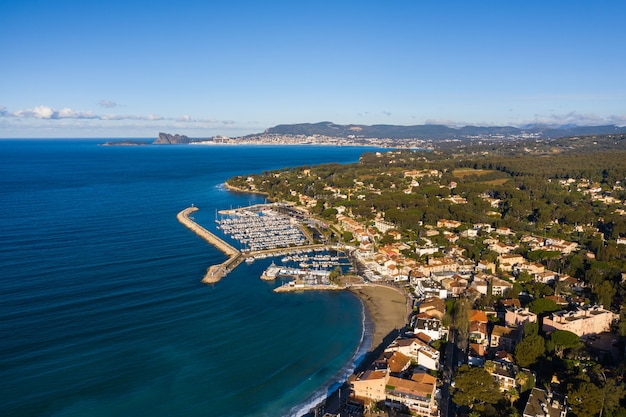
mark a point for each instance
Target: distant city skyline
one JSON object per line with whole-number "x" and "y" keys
{"x": 132, "y": 69}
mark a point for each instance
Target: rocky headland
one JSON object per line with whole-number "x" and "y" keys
{"x": 169, "y": 139}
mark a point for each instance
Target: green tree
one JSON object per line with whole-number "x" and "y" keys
{"x": 621, "y": 326}
{"x": 604, "y": 293}
{"x": 531, "y": 328}
{"x": 512, "y": 395}
{"x": 329, "y": 213}
{"x": 613, "y": 392}
{"x": 529, "y": 350}
{"x": 586, "y": 399}
{"x": 387, "y": 239}
{"x": 524, "y": 277}
{"x": 475, "y": 388}
{"x": 594, "y": 276}
{"x": 563, "y": 339}
{"x": 525, "y": 379}
{"x": 335, "y": 274}
{"x": 461, "y": 312}
{"x": 543, "y": 305}
{"x": 539, "y": 289}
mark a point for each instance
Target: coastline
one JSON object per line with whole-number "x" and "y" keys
{"x": 161, "y": 324}
{"x": 385, "y": 306}
{"x": 241, "y": 190}
{"x": 387, "y": 309}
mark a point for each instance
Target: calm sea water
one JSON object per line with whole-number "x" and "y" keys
{"x": 103, "y": 312}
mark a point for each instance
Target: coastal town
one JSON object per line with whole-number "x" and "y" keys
{"x": 350, "y": 140}
{"x": 313, "y": 208}
{"x": 531, "y": 316}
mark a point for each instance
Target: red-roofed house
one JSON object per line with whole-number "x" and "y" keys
{"x": 418, "y": 393}
{"x": 479, "y": 316}
{"x": 504, "y": 337}
{"x": 370, "y": 384}
{"x": 478, "y": 333}
{"x": 398, "y": 362}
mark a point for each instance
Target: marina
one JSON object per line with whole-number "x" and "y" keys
{"x": 312, "y": 276}
{"x": 261, "y": 227}
{"x": 284, "y": 239}
{"x": 305, "y": 260}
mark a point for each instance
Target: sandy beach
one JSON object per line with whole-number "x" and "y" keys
{"x": 387, "y": 308}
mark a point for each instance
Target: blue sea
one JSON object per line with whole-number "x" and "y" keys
{"x": 103, "y": 312}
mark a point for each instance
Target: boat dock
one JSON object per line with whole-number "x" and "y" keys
{"x": 293, "y": 287}
{"x": 235, "y": 257}
{"x": 262, "y": 227}
{"x": 272, "y": 272}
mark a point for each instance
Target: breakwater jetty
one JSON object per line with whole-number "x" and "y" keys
{"x": 215, "y": 272}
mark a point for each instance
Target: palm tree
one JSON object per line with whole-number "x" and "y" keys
{"x": 512, "y": 395}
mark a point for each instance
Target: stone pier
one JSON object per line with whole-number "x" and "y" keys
{"x": 215, "y": 272}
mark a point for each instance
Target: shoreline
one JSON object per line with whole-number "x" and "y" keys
{"x": 241, "y": 190}
{"x": 386, "y": 307}
{"x": 386, "y": 310}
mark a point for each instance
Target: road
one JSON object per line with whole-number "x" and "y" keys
{"x": 446, "y": 406}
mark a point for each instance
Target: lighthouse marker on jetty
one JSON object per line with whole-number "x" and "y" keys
{"x": 215, "y": 272}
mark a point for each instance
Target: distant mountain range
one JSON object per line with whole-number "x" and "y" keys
{"x": 436, "y": 131}
{"x": 398, "y": 132}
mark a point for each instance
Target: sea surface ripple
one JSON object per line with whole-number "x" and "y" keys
{"x": 103, "y": 310}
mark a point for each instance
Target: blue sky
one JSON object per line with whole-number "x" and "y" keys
{"x": 202, "y": 68}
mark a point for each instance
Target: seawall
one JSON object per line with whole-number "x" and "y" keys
{"x": 183, "y": 217}
{"x": 215, "y": 272}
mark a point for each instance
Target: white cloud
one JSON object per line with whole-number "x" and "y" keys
{"x": 575, "y": 118}
{"x": 112, "y": 117}
{"x": 188, "y": 119}
{"x": 618, "y": 120}
{"x": 108, "y": 104}
{"x": 67, "y": 113}
{"x": 43, "y": 112}
{"x": 39, "y": 112}
{"x": 151, "y": 117}
{"x": 47, "y": 113}
{"x": 46, "y": 119}
{"x": 447, "y": 122}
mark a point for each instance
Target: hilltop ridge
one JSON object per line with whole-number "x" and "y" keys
{"x": 433, "y": 131}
